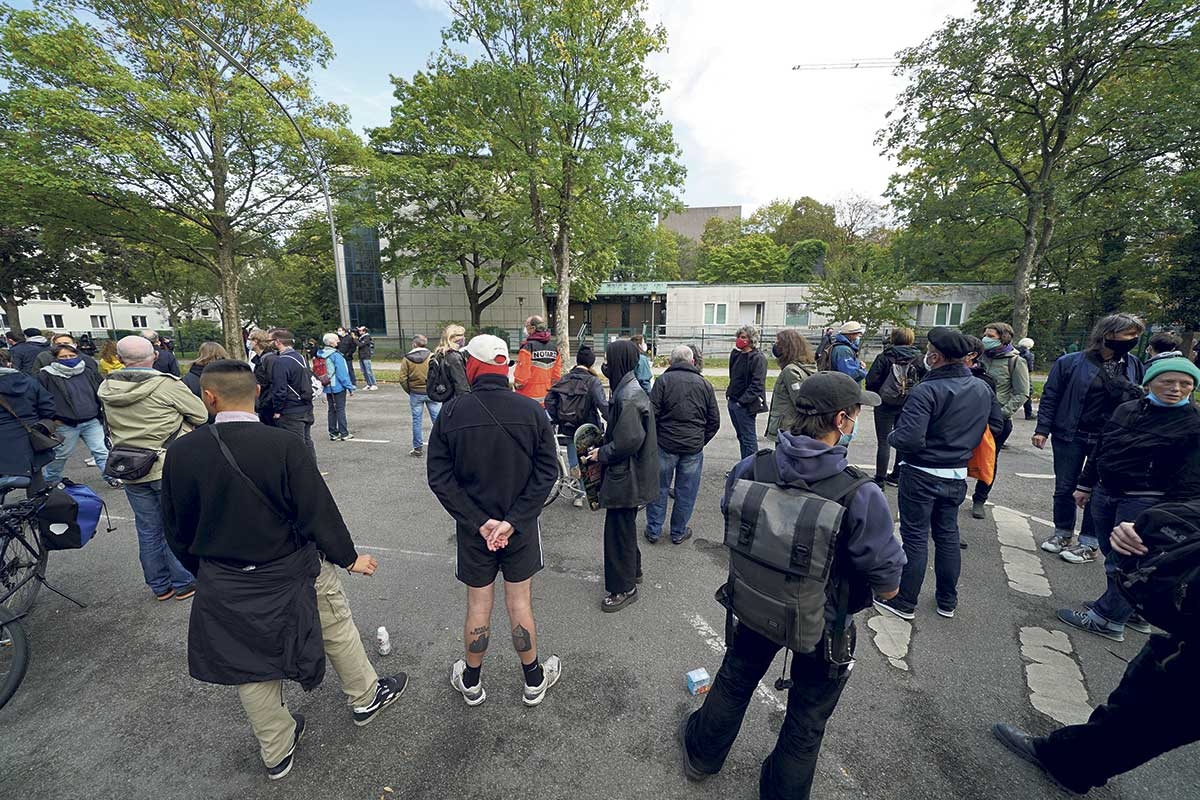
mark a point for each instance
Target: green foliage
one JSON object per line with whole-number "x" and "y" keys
{"x": 864, "y": 286}
{"x": 805, "y": 260}
{"x": 294, "y": 286}
{"x": 567, "y": 105}
{"x": 647, "y": 252}
{"x": 752, "y": 258}
{"x": 144, "y": 117}
{"x": 998, "y": 308}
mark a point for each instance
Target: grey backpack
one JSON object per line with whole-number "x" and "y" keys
{"x": 782, "y": 539}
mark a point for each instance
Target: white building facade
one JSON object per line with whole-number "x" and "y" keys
{"x": 108, "y": 311}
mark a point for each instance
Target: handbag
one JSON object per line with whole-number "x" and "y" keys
{"x": 42, "y": 436}
{"x": 129, "y": 463}
{"x": 982, "y": 465}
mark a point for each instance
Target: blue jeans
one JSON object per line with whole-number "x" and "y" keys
{"x": 1068, "y": 463}
{"x": 336, "y": 416}
{"x": 160, "y": 567}
{"x": 92, "y": 433}
{"x": 929, "y": 505}
{"x": 416, "y": 404}
{"x": 685, "y": 471}
{"x": 367, "y": 370}
{"x": 1108, "y": 511}
{"x": 743, "y": 426}
{"x": 788, "y": 772}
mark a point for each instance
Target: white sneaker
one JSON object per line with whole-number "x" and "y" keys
{"x": 551, "y": 670}
{"x": 372, "y": 388}
{"x": 577, "y": 502}
{"x": 91, "y": 462}
{"x": 1060, "y": 541}
{"x": 473, "y": 696}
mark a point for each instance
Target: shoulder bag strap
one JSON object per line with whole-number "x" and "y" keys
{"x": 488, "y": 411}
{"x": 4, "y": 404}
{"x": 249, "y": 482}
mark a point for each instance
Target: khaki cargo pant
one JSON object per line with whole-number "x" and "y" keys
{"x": 264, "y": 704}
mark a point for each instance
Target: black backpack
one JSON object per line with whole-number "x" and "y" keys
{"x": 901, "y": 377}
{"x": 569, "y": 402}
{"x": 782, "y": 541}
{"x": 437, "y": 383}
{"x": 1164, "y": 585}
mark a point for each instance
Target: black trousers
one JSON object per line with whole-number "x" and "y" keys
{"x": 788, "y": 771}
{"x": 982, "y": 490}
{"x": 885, "y": 420}
{"x": 1154, "y": 709}
{"x": 300, "y": 426}
{"x": 622, "y": 558}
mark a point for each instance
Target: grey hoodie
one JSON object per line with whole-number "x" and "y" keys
{"x": 870, "y": 557}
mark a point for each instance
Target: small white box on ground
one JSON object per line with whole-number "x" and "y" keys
{"x": 698, "y": 681}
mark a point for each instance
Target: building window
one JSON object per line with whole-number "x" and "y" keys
{"x": 97, "y": 296}
{"x": 714, "y": 313}
{"x": 99, "y": 321}
{"x": 139, "y": 321}
{"x": 136, "y": 299}
{"x": 948, "y": 314}
{"x": 750, "y": 313}
{"x": 795, "y": 315}
{"x": 52, "y": 320}
{"x": 364, "y": 282}
{"x": 204, "y": 312}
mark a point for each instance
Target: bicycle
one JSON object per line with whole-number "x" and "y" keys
{"x": 565, "y": 482}
{"x": 14, "y": 655}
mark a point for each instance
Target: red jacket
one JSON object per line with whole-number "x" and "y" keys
{"x": 539, "y": 366}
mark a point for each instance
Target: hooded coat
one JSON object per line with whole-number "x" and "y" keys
{"x": 630, "y": 450}
{"x": 74, "y": 390}
{"x": 414, "y": 370}
{"x": 145, "y": 408}
{"x": 891, "y": 355}
{"x": 539, "y": 366}
{"x": 31, "y": 402}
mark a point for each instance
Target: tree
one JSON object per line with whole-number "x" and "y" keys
{"x": 294, "y": 285}
{"x": 1181, "y": 283}
{"x": 164, "y": 124}
{"x": 569, "y": 106}
{"x": 809, "y": 219}
{"x": 805, "y": 259}
{"x": 446, "y": 207}
{"x": 647, "y": 252}
{"x": 1029, "y": 106}
{"x": 864, "y": 286}
{"x": 752, "y": 258}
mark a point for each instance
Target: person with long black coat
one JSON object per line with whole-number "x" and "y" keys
{"x": 630, "y": 458}
{"x": 30, "y": 403}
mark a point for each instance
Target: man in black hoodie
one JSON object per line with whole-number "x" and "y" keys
{"x": 347, "y": 345}
{"x": 246, "y": 510}
{"x": 492, "y": 461}
{"x": 291, "y": 390}
{"x": 25, "y": 349}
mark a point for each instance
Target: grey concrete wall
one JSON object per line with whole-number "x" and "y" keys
{"x": 691, "y": 221}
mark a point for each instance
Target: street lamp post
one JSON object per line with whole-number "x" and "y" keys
{"x": 339, "y": 265}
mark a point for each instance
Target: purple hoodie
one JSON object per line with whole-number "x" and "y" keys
{"x": 870, "y": 557}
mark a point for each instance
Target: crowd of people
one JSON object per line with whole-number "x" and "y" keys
{"x": 220, "y": 469}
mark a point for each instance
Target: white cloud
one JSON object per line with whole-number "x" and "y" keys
{"x": 751, "y": 128}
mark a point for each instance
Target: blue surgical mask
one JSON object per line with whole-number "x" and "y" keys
{"x": 70, "y": 362}
{"x": 1154, "y": 401}
{"x": 847, "y": 438}
{"x": 989, "y": 343}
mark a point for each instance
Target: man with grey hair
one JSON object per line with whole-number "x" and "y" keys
{"x": 332, "y": 370}
{"x": 414, "y": 374}
{"x": 146, "y": 411}
{"x": 747, "y": 389}
{"x": 685, "y": 420}
{"x": 164, "y": 359}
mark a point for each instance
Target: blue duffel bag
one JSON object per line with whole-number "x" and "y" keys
{"x": 70, "y": 516}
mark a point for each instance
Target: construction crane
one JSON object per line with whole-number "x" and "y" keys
{"x": 860, "y": 63}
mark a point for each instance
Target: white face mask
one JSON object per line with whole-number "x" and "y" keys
{"x": 927, "y": 364}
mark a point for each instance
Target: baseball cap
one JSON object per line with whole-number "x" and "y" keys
{"x": 950, "y": 342}
{"x": 488, "y": 349}
{"x": 827, "y": 392}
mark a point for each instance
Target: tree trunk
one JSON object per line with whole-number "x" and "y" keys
{"x": 562, "y": 273}
{"x": 1024, "y": 269}
{"x": 13, "y": 310}
{"x": 231, "y": 322}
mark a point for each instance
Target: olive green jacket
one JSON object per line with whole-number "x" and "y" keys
{"x": 783, "y": 397}
{"x": 1011, "y": 374}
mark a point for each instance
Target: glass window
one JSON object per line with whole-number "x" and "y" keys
{"x": 948, "y": 314}
{"x": 714, "y": 313}
{"x": 99, "y": 321}
{"x": 139, "y": 321}
{"x": 795, "y": 315}
{"x": 52, "y": 320}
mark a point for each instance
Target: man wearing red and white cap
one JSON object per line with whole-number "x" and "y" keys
{"x": 492, "y": 462}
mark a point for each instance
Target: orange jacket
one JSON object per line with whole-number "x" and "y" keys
{"x": 539, "y": 366}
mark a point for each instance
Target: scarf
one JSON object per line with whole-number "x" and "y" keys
{"x": 475, "y": 368}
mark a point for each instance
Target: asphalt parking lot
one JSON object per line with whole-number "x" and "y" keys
{"x": 108, "y": 710}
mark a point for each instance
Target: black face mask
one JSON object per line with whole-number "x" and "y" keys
{"x": 1120, "y": 346}
{"x": 775, "y": 350}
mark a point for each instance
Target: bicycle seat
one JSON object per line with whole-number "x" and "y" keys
{"x": 10, "y": 482}
{"x": 564, "y": 440}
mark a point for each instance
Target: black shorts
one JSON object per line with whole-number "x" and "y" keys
{"x": 476, "y": 566}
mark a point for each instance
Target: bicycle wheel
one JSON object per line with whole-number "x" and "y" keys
{"x": 22, "y": 562}
{"x": 14, "y": 655}
{"x": 556, "y": 489}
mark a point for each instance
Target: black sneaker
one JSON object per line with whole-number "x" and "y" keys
{"x": 892, "y": 607}
{"x": 689, "y": 769}
{"x": 386, "y": 693}
{"x": 1021, "y": 743}
{"x": 892, "y": 479}
{"x": 687, "y": 534}
{"x": 977, "y": 510}
{"x": 281, "y": 769}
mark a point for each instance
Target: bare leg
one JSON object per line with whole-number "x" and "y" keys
{"x": 518, "y": 598}
{"x": 478, "y": 629}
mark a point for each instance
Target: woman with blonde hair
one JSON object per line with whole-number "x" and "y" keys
{"x": 108, "y": 358}
{"x": 454, "y": 338}
{"x": 796, "y": 362}
{"x": 208, "y": 353}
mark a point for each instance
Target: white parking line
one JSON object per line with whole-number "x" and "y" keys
{"x": 421, "y": 553}
{"x": 369, "y": 441}
{"x": 1055, "y": 682}
{"x": 716, "y": 643}
{"x": 1018, "y": 549}
{"x": 1029, "y": 517}
{"x": 1034, "y": 475}
{"x": 892, "y": 636}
